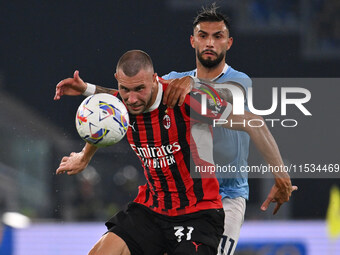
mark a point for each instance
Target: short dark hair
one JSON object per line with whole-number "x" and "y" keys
{"x": 211, "y": 14}
{"x": 133, "y": 61}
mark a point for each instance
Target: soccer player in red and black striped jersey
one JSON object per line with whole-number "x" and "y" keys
{"x": 173, "y": 212}
{"x": 163, "y": 139}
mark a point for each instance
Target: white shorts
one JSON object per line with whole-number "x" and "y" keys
{"x": 234, "y": 209}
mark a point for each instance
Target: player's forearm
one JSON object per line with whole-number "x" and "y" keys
{"x": 100, "y": 89}
{"x": 262, "y": 139}
{"x": 95, "y": 89}
{"x": 267, "y": 146}
{"x": 88, "y": 151}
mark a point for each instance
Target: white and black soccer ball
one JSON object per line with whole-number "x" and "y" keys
{"x": 102, "y": 120}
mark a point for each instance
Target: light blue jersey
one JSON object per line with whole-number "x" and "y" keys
{"x": 230, "y": 147}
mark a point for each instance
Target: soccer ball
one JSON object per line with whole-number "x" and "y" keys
{"x": 102, "y": 120}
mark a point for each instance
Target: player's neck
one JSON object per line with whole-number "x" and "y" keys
{"x": 209, "y": 73}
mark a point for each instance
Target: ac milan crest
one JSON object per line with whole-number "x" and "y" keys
{"x": 166, "y": 121}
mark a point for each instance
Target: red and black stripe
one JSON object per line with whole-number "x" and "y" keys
{"x": 152, "y": 135}
{"x": 137, "y": 136}
{"x": 167, "y": 136}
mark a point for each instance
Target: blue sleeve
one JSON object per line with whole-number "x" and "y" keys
{"x": 167, "y": 76}
{"x": 175, "y": 75}
{"x": 240, "y": 78}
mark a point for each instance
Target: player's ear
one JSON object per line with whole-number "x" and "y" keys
{"x": 116, "y": 76}
{"x": 230, "y": 42}
{"x": 154, "y": 77}
{"x": 192, "y": 39}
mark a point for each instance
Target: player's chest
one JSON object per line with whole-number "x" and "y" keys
{"x": 162, "y": 125}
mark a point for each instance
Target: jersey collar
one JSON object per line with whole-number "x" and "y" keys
{"x": 218, "y": 76}
{"x": 158, "y": 98}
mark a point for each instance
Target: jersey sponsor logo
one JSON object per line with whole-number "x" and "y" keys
{"x": 157, "y": 156}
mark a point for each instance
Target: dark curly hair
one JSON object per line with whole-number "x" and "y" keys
{"x": 211, "y": 14}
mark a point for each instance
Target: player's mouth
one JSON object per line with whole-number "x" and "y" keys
{"x": 135, "y": 107}
{"x": 209, "y": 53}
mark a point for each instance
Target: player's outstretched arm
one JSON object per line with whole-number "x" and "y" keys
{"x": 76, "y": 86}
{"x": 176, "y": 90}
{"x": 70, "y": 87}
{"x": 77, "y": 162}
{"x": 266, "y": 145}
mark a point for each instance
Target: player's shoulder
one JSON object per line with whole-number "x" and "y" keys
{"x": 237, "y": 73}
{"x": 175, "y": 75}
{"x": 236, "y": 76}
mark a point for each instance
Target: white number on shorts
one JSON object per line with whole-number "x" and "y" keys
{"x": 179, "y": 232}
{"x": 190, "y": 229}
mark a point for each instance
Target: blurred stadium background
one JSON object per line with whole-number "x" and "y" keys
{"x": 43, "y": 42}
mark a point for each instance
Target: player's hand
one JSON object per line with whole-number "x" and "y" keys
{"x": 177, "y": 90}
{"x": 70, "y": 87}
{"x": 72, "y": 164}
{"x": 279, "y": 194}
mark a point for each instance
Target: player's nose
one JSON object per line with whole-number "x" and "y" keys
{"x": 210, "y": 42}
{"x": 132, "y": 98}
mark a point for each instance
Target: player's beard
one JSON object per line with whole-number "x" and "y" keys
{"x": 209, "y": 63}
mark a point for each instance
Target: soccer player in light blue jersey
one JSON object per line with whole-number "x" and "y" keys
{"x": 211, "y": 41}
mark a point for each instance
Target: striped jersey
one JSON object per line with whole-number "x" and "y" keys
{"x": 231, "y": 147}
{"x": 165, "y": 140}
